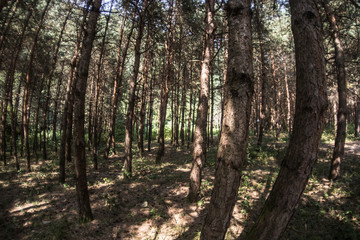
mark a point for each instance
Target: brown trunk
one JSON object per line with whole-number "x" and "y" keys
{"x": 238, "y": 91}
{"x": 357, "y": 118}
{"x": 9, "y": 83}
{"x": 144, "y": 94}
{"x": 79, "y": 114}
{"x": 120, "y": 66}
{"x": 259, "y": 29}
{"x": 277, "y": 105}
{"x": 338, "y": 155}
{"x": 183, "y": 105}
{"x": 151, "y": 103}
{"x": 28, "y": 82}
{"x": 132, "y": 92}
{"x": 288, "y": 100}
{"x": 98, "y": 95}
{"x": 311, "y": 104}
{"x": 48, "y": 95}
{"x": 164, "y": 95}
{"x": 188, "y": 134}
{"x": 56, "y": 105}
{"x": 199, "y": 151}
{"x": 66, "y": 124}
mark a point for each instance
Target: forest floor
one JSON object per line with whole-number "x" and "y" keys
{"x": 153, "y": 204}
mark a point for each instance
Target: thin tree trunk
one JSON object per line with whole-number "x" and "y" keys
{"x": 98, "y": 93}
{"x": 132, "y": 93}
{"x": 188, "y": 134}
{"x": 288, "y": 100}
{"x": 51, "y": 75}
{"x": 199, "y": 151}
{"x": 259, "y": 28}
{"x": 79, "y": 118}
{"x": 183, "y": 105}
{"x": 144, "y": 94}
{"x": 120, "y": 66}
{"x": 151, "y": 103}
{"x": 311, "y": 104}
{"x": 28, "y": 82}
{"x": 56, "y": 105}
{"x": 67, "y": 117}
{"x": 238, "y": 91}
{"x": 165, "y": 85}
{"x": 357, "y": 118}
{"x": 338, "y": 155}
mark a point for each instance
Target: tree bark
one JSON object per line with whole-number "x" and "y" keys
{"x": 151, "y": 108}
{"x": 259, "y": 29}
{"x": 338, "y": 154}
{"x": 82, "y": 73}
{"x": 28, "y": 82}
{"x": 357, "y": 118}
{"x": 132, "y": 93}
{"x": 67, "y": 117}
{"x": 238, "y": 91}
{"x": 51, "y": 75}
{"x": 144, "y": 94}
{"x": 165, "y": 85}
{"x": 120, "y": 66}
{"x": 311, "y": 104}
{"x": 199, "y": 151}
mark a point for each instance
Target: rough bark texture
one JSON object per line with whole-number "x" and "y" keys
{"x": 200, "y": 138}
{"x": 164, "y": 86}
{"x": 28, "y": 82}
{"x": 338, "y": 155}
{"x": 82, "y": 192}
{"x": 132, "y": 94}
{"x": 66, "y": 124}
{"x": 357, "y": 118}
{"x": 311, "y": 104}
{"x": 237, "y": 105}
{"x": 263, "y": 79}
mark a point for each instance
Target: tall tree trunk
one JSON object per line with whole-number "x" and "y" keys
{"x": 238, "y": 91}
{"x": 150, "y": 111}
{"x": 120, "y": 66}
{"x": 67, "y": 117}
{"x": 144, "y": 94}
{"x": 288, "y": 100}
{"x": 56, "y": 104}
{"x": 199, "y": 151}
{"x": 188, "y": 134}
{"x": 357, "y": 118}
{"x": 51, "y": 75}
{"x": 79, "y": 118}
{"x": 28, "y": 82}
{"x": 183, "y": 105}
{"x": 338, "y": 155}
{"x": 165, "y": 85}
{"x": 132, "y": 94}
{"x": 98, "y": 93}
{"x": 9, "y": 83}
{"x": 311, "y": 104}
{"x": 259, "y": 29}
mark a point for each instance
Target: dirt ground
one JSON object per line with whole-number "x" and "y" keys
{"x": 153, "y": 204}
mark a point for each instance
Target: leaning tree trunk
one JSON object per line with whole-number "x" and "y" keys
{"x": 28, "y": 82}
{"x": 338, "y": 155}
{"x": 199, "y": 151}
{"x": 132, "y": 94}
{"x": 82, "y": 73}
{"x": 238, "y": 91}
{"x": 311, "y": 104}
